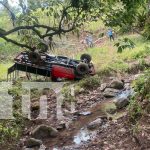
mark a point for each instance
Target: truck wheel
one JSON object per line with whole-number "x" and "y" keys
{"x": 34, "y": 57}
{"x": 54, "y": 79}
{"x": 82, "y": 69}
{"x": 86, "y": 57}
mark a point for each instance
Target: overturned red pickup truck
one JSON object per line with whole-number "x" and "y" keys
{"x": 56, "y": 67}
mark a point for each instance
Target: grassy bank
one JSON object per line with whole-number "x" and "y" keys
{"x": 3, "y": 70}
{"x": 106, "y": 58}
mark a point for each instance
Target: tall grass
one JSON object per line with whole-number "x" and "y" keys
{"x": 94, "y": 26}
{"x": 107, "y": 59}
{"x": 3, "y": 70}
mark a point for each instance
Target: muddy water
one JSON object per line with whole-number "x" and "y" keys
{"x": 77, "y": 132}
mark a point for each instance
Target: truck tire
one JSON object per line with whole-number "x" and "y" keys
{"x": 86, "y": 57}
{"x": 54, "y": 79}
{"x": 82, "y": 69}
{"x": 34, "y": 57}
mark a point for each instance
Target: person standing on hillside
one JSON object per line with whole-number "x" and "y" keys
{"x": 110, "y": 34}
{"x": 89, "y": 40}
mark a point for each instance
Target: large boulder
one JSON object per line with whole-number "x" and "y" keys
{"x": 44, "y": 131}
{"x": 109, "y": 92}
{"x": 30, "y": 143}
{"x": 111, "y": 110}
{"x": 93, "y": 125}
{"x": 121, "y": 102}
{"x": 116, "y": 84}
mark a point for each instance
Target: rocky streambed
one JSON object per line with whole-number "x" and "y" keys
{"x": 96, "y": 112}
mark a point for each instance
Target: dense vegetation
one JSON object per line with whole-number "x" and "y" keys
{"x": 69, "y": 16}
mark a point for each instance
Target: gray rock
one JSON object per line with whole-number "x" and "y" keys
{"x": 61, "y": 126}
{"x": 93, "y": 125}
{"x": 122, "y": 131}
{"x": 116, "y": 84}
{"x": 109, "y": 92}
{"x": 103, "y": 86}
{"x": 137, "y": 76}
{"x": 127, "y": 86}
{"x": 44, "y": 131}
{"x": 121, "y": 102}
{"x": 111, "y": 111}
{"x": 112, "y": 78}
{"x": 33, "y": 143}
{"x": 35, "y": 106}
{"x": 81, "y": 90}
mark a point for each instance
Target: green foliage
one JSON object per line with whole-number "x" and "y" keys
{"x": 94, "y": 26}
{"x": 67, "y": 93}
{"x": 137, "y": 105}
{"x": 124, "y": 44}
{"x": 9, "y": 132}
{"x": 113, "y": 15}
{"x": 101, "y": 35}
{"x": 107, "y": 61}
{"x": 134, "y": 110}
{"x": 7, "y": 50}
{"x": 142, "y": 86}
{"x": 90, "y": 82}
{"x": 28, "y": 36}
{"x": 3, "y": 70}
{"x": 16, "y": 90}
{"x": 105, "y": 70}
{"x": 141, "y": 19}
{"x": 126, "y": 15}
{"x": 146, "y": 32}
{"x": 119, "y": 66}
{"x": 63, "y": 16}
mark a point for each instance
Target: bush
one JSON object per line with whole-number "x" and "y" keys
{"x": 124, "y": 43}
{"x": 90, "y": 82}
{"x": 141, "y": 100}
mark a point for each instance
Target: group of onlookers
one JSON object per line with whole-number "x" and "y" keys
{"x": 89, "y": 38}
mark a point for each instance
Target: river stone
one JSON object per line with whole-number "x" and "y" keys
{"x": 116, "y": 84}
{"x": 81, "y": 90}
{"x": 44, "y": 131}
{"x": 122, "y": 131}
{"x": 109, "y": 92}
{"x": 61, "y": 126}
{"x": 35, "y": 106}
{"x": 121, "y": 102}
{"x": 33, "y": 143}
{"x": 103, "y": 86}
{"x": 93, "y": 125}
{"x": 111, "y": 111}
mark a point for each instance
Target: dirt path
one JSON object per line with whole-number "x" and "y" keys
{"x": 66, "y": 137}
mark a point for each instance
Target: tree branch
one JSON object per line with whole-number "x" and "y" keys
{"x": 14, "y": 42}
{"x": 74, "y": 19}
{"x": 29, "y": 28}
